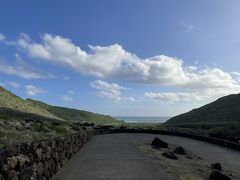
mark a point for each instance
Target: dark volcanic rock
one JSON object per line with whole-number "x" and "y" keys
{"x": 158, "y": 143}
{"x": 25, "y": 173}
{"x": 218, "y": 175}
{"x": 179, "y": 150}
{"x": 216, "y": 166}
{"x": 1, "y": 177}
{"x": 12, "y": 175}
{"x": 170, "y": 155}
{"x": 39, "y": 168}
{"x": 40, "y": 159}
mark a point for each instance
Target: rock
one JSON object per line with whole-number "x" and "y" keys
{"x": 170, "y": 155}
{"x": 1, "y": 177}
{"x": 218, "y": 175}
{"x": 58, "y": 166}
{"x": 34, "y": 167}
{"x": 12, "y": 175}
{"x": 12, "y": 162}
{"x": 179, "y": 150}
{"x": 61, "y": 156}
{"x": 189, "y": 157}
{"x": 39, "y": 168}
{"x": 52, "y": 166}
{"x": 24, "y": 148}
{"x": 2, "y": 158}
{"x": 31, "y": 158}
{"x": 39, "y": 154}
{"x": 55, "y": 156}
{"x": 49, "y": 152}
{"x": 25, "y": 173}
{"x": 216, "y": 166}
{"x": 158, "y": 143}
{"x": 4, "y": 168}
{"x": 46, "y": 165}
{"x": 22, "y": 160}
{"x": 10, "y": 151}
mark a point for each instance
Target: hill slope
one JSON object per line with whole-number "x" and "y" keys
{"x": 10, "y": 100}
{"x": 220, "y": 119}
{"x": 223, "y": 110}
{"x": 74, "y": 115}
{"x": 26, "y": 120}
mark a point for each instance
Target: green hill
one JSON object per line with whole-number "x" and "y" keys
{"x": 223, "y": 110}
{"x": 74, "y": 115}
{"x": 26, "y": 120}
{"x": 220, "y": 118}
{"x": 10, "y": 100}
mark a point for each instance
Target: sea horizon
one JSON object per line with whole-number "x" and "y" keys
{"x": 143, "y": 119}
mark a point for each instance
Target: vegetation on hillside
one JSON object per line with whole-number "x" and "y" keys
{"x": 10, "y": 100}
{"x": 220, "y": 118}
{"x": 17, "y": 126}
{"x": 75, "y": 115}
{"x": 27, "y": 120}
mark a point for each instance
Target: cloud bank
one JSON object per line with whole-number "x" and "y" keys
{"x": 113, "y": 62}
{"x": 31, "y": 90}
{"x": 110, "y": 91}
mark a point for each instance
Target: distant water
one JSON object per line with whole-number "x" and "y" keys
{"x": 143, "y": 119}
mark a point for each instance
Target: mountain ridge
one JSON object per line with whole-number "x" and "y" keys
{"x": 224, "y": 109}
{"x": 30, "y": 106}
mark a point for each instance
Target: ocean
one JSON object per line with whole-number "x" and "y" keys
{"x": 143, "y": 119}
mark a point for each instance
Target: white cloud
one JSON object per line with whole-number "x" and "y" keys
{"x": 132, "y": 99}
{"x": 105, "y": 62}
{"x": 65, "y": 77}
{"x": 67, "y": 98}
{"x": 20, "y": 69}
{"x": 12, "y": 84}
{"x": 110, "y": 91}
{"x": 31, "y": 90}
{"x": 2, "y": 37}
{"x": 197, "y": 97}
{"x": 114, "y": 62}
{"x": 187, "y": 27}
{"x": 71, "y": 92}
{"x": 23, "y": 70}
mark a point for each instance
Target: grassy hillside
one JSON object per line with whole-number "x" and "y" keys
{"x": 27, "y": 120}
{"x": 220, "y": 118}
{"x": 17, "y": 126}
{"x": 10, "y": 100}
{"x": 223, "y": 110}
{"x": 69, "y": 114}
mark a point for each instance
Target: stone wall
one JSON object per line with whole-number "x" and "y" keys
{"x": 41, "y": 159}
{"x": 220, "y": 142}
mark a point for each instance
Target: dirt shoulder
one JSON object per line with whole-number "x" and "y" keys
{"x": 186, "y": 167}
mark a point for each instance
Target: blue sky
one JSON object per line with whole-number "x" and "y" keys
{"x": 146, "y": 58}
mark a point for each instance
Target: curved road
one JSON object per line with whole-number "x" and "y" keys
{"x": 115, "y": 156}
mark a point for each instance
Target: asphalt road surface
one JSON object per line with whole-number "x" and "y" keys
{"x": 116, "y": 157}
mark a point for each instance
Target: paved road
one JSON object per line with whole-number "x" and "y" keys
{"x": 115, "y": 156}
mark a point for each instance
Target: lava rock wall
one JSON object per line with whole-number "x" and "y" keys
{"x": 41, "y": 159}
